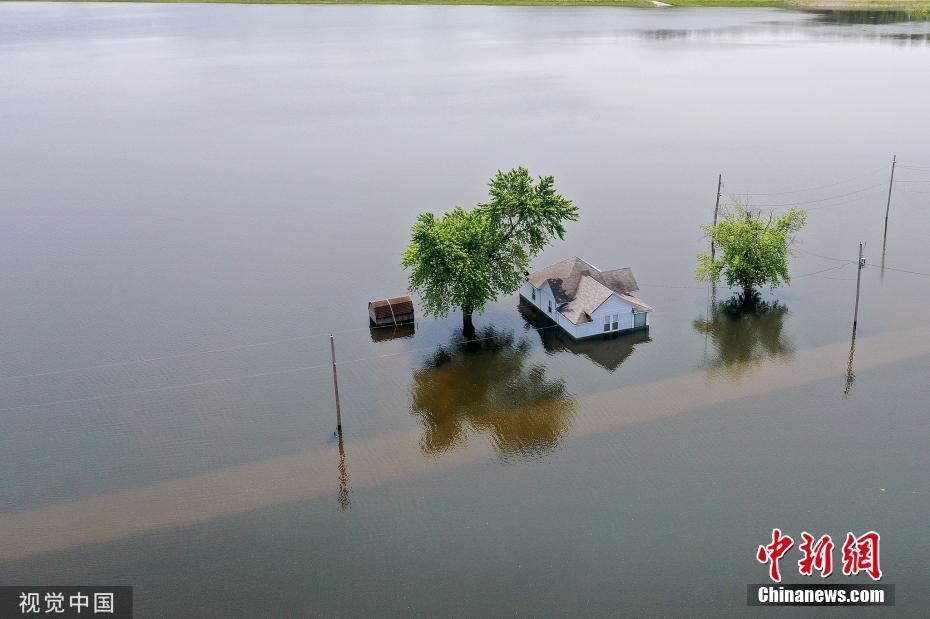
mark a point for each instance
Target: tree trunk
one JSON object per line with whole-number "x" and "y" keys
{"x": 468, "y": 327}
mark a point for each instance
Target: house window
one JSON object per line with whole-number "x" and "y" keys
{"x": 534, "y": 294}
{"x": 615, "y": 322}
{"x": 550, "y": 307}
{"x": 612, "y": 322}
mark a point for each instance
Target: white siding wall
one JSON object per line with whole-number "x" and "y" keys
{"x": 543, "y": 297}
{"x": 613, "y": 305}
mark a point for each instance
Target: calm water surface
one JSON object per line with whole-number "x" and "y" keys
{"x": 195, "y": 196}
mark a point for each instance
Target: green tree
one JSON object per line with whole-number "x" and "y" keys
{"x": 751, "y": 249}
{"x": 465, "y": 259}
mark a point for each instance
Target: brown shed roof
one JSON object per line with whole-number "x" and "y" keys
{"x": 387, "y": 308}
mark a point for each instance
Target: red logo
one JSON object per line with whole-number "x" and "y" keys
{"x": 817, "y": 555}
{"x": 860, "y": 554}
{"x": 773, "y": 552}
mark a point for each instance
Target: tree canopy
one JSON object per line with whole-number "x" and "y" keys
{"x": 752, "y": 248}
{"x": 467, "y": 258}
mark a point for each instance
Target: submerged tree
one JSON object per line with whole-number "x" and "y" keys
{"x": 753, "y": 249}
{"x": 465, "y": 259}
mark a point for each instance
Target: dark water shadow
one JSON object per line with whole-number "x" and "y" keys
{"x": 393, "y": 332}
{"x": 609, "y": 351}
{"x": 895, "y": 27}
{"x": 490, "y": 387}
{"x": 744, "y": 334}
{"x": 859, "y": 18}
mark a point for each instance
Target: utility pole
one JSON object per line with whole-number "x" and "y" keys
{"x": 332, "y": 350}
{"x": 894, "y": 161}
{"x": 858, "y": 279}
{"x": 717, "y": 208}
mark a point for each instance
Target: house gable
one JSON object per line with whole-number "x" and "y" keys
{"x": 613, "y": 304}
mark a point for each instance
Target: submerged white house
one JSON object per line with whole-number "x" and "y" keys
{"x": 585, "y": 301}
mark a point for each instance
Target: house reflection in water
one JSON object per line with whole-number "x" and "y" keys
{"x": 608, "y": 351}
{"x": 490, "y": 387}
{"x": 392, "y": 332}
{"x": 744, "y": 335}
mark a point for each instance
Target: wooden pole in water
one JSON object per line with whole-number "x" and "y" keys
{"x": 716, "y": 208}
{"x": 858, "y": 279}
{"x": 332, "y": 350}
{"x": 894, "y": 161}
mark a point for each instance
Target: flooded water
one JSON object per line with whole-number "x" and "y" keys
{"x": 196, "y": 196}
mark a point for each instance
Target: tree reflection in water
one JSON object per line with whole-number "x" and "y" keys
{"x": 858, "y": 18}
{"x": 489, "y": 386}
{"x": 745, "y": 334}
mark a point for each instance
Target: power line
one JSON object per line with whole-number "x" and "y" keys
{"x": 842, "y": 195}
{"x": 814, "y": 208}
{"x": 846, "y": 203}
{"x": 847, "y": 180}
{"x": 237, "y": 378}
{"x": 677, "y": 287}
{"x": 810, "y": 253}
{"x": 163, "y": 388}
{"x": 888, "y": 268}
{"x": 836, "y": 279}
{"x": 872, "y": 264}
{"x": 163, "y": 357}
{"x": 193, "y": 353}
{"x": 820, "y": 271}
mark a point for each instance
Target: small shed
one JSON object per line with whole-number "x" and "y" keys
{"x": 395, "y": 311}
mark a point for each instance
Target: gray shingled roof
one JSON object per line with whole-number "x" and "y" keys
{"x": 589, "y": 295}
{"x": 580, "y": 287}
{"x": 637, "y": 303}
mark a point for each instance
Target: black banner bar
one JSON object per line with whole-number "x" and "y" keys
{"x": 66, "y": 602}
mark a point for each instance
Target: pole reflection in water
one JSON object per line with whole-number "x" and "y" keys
{"x": 881, "y": 273}
{"x": 850, "y": 375}
{"x": 745, "y": 334}
{"x": 489, "y": 386}
{"x": 345, "y": 489}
